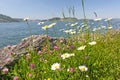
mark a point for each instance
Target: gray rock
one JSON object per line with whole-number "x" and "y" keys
{"x": 32, "y": 42}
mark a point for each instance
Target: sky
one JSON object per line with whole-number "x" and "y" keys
{"x": 45, "y": 9}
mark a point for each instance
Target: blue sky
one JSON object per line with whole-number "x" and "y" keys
{"x": 43, "y": 9}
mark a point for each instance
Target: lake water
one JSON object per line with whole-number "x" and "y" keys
{"x": 13, "y": 33}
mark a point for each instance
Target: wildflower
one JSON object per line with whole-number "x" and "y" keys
{"x": 97, "y": 19}
{"x": 87, "y": 76}
{"x": 81, "y": 48}
{"x": 30, "y": 74}
{"x": 61, "y": 41}
{"x": 68, "y": 24}
{"x": 40, "y": 23}
{"x": 8, "y": 60}
{"x": 11, "y": 52}
{"x": 110, "y": 27}
{"x": 56, "y": 47}
{"x": 67, "y": 31}
{"x": 92, "y": 43}
{"x": 94, "y": 29}
{"x": 66, "y": 55}
{"x": 45, "y": 61}
{"x": 26, "y": 19}
{"x": 108, "y": 19}
{"x": 39, "y": 52}
{"x": 5, "y": 70}
{"x": 32, "y": 66}
{"x": 75, "y": 24}
{"x": 83, "y": 68}
{"x": 103, "y": 27}
{"x": 55, "y": 66}
{"x": 51, "y": 25}
{"x": 8, "y": 47}
{"x": 15, "y": 78}
{"x": 45, "y": 27}
{"x": 70, "y": 31}
{"x": 71, "y": 70}
{"x": 71, "y": 47}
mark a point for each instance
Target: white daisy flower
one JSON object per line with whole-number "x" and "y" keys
{"x": 81, "y": 48}
{"x": 92, "y": 43}
{"x": 55, "y": 66}
{"x": 83, "y": 68}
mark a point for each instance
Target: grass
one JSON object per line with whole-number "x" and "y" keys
{"x": 101, "y": 59}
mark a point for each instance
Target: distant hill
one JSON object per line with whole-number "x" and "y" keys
{"x": 63, "y": 19}
{"x": 4, "y": 18}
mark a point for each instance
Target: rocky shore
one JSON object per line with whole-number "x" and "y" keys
{"x": 7, "y": 53}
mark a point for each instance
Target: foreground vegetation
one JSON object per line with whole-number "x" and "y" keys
{"x": 78, "y": 59}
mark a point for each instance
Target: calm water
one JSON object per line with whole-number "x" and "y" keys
{"x": 12, "y": 33}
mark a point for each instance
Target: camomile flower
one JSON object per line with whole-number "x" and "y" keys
{"x": 55, "y": 66}
{"x": 94, "y": 29}
{"x": 66, "y": 55}
{"x": 51, "y": 25}
{"x": 92, "y": 43}
{"x": 75, "y": 24}
{"x": 26, "y": 19}
{"x": 108, "y": 19}
{"x": 83, "y": 68}
{"x": 81, "y": 48}
{"x": 103, "y": 27}
{"x": 97, "y": 19}
{"x": 70, "y": 31}
{"x": 40, "y": 23}
{"x": 110, "y": 27}
{"x": 45, "y": 27}
{"x": 68, "y": 24}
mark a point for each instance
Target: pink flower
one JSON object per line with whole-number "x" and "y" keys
{"x": 71, "y": 70}
{"x": 39, "y": 52}
{"x": 32, "y": 66}
{"x": 48, "y": 37}
{"x": 30, "y": 75}
{"x": 61, "y": 41}
{"x": 71, "y": 47}
{"x": 8, "y": 47}
{"x": 15, "y": 78}
{"x": 56, "y": 47}
{"x": 11, "y": 52}
{"x": 5, "y": 70}
{"x": 8, "y": 60}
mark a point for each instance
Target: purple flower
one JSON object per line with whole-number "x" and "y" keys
{"x": 5, "y": 70}
{"x": 15, "y": 78}
{"x": 8, "y": 47}
{"x": 11, "y": 52}
{"x": 39, "y": 52}
{"x": 32, "y": 66}
{"x": 8, "y": 60}
{"x": 56, "y": 47}
{"x": 71, "y": 47}
{"x": 71, "y": 70}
